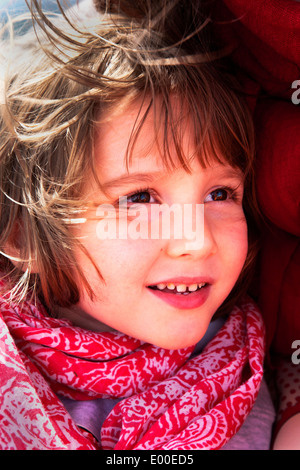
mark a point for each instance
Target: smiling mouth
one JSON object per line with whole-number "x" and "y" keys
{"x": 180, "y": 289}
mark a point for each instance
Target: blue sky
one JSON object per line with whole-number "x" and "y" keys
{"x": 19, "y": 6}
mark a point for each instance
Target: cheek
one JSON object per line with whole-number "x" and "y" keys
{"x": 231, "y": 235}
{"x": 237, "y": 245}
{"x": 123, "y": 263}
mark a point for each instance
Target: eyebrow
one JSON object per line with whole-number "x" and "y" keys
{"x": 230, "y": 172}
{"x": 132, "y": 178}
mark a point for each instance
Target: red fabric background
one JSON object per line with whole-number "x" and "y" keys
{"x": 278, "y": 187}
{"x": 266, "y": 35}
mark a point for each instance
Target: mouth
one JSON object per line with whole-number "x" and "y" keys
{"x": 182, "y": 295}
{"x": 179, "y": 289}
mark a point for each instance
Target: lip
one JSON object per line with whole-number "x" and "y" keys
{"x": 185, "y": 280}
{"x": 184, "y": 302}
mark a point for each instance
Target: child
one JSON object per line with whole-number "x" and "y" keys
{"x": 100, "y": 337}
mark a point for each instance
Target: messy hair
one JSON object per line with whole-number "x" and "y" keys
{"x": 71, "y": 74}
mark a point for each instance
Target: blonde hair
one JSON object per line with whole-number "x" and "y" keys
{"x": 71, "y": 74}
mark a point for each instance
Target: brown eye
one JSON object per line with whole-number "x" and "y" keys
{"x": 219, "y": 195}
{"x": 142, "y": 197}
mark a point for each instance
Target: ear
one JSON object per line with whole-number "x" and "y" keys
{"x": 15, "y": 252}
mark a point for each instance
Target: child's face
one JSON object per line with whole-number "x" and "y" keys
{"x": 131, "y": 297}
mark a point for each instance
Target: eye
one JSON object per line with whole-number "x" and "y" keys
{"x": 141, "y": 197}
{"x": 221, "y": 194}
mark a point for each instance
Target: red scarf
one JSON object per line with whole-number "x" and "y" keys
{"x": 170, "y": 401}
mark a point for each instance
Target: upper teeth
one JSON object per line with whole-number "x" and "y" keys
{"x": 181, "y": 287}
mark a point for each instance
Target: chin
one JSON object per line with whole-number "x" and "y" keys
{"x": 178, "y": 343}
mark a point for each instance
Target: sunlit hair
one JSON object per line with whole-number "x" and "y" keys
{"x": 56, "y": 88}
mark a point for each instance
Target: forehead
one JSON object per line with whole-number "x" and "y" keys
{"x": 147, "y": 164}
{"x": 144, "y": 133}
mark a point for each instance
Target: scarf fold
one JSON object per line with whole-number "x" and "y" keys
{"x": 170, "y": 401}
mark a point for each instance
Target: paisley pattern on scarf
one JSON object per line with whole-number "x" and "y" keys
{"x": 170, "y": 401}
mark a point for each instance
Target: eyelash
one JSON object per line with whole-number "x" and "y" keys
{"x": 151, "y": 192}
{"x": 232, "y": 194}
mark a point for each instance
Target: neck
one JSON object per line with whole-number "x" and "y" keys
{"x": 79, "y": 318}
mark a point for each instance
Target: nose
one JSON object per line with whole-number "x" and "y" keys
{"x": 197, "y": 238}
